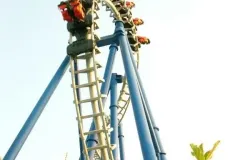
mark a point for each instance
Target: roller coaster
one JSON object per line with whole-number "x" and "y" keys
{"x": 104, "y": 140}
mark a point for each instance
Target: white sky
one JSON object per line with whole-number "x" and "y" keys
{"x": 190, "y": 73}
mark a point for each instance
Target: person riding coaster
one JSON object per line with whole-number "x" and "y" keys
{"x": 143, "y": 40}
{"x": 138, "y": 21}
{"x": 79, "y": 21}
{"x": 72, "y": 11}
{"x": 130, "y": 5}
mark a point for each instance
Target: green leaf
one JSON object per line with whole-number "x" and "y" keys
{"x": 208, "y": 155}
{"x": 197, "y": 151}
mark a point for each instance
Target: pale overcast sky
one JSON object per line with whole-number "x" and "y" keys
{"x": 190, "y": 72}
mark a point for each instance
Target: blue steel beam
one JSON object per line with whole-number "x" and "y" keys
{"x": 154, "y": 129}
{"x": 151, "y": 128}
{"x": 140, "y": 118}
{"x": 106, "y": 40}
{"x": 114, "y": 112}
{"x": 36, "y": 112}
{"x": 108, "y": 71}
{"x": 121, "y": 142}
{"x": 92, "y": 138}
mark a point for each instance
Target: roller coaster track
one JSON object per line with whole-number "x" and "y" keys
{"x": 130, "y": 28}
{"x": 104, "y": 148}
{"x": 95, "y": 96}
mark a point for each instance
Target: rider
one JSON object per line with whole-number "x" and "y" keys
{"x": 72, "y": 10}
{"x": 130, "y": 5}
{"x": 79, "y": 19}
{"x": 143, "y": 40}
{"x": 138, "y": 21}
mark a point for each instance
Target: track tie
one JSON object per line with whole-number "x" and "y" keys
{"x": 93, "y": 115}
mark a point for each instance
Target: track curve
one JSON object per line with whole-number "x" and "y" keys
{"x": 119, "y": 11}
{"x": 124, "y": 97}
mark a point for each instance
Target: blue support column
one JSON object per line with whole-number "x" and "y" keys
{"x": 114, "y": 112}
{"x": 108, "y": 71}
{"x": 92, "y": 138}
{"x": 77, "y": 82}
{"x": 33, "y": 117}
{"x": 154, "y": 129}
{"x": 121, "y": 142}
{"x": 140, "y": 118}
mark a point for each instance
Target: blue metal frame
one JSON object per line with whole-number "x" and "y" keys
{"x": 140, "y": 118}
{"x": 121, "y": 142}
{"x": 114, "y": 111}
{"x": 108, "y": 71}
{"x": 106, "y": 40}
{"x": 147, "y": 129}
{"x": 92, "y": 138}
{"x": 36, "y": 112}
{"x": 161, "y": 154}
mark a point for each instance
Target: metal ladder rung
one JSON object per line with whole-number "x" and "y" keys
{"x": 85, "y": 56}
{"x": 89, "y": 84}
{"x": 95, "y": 131}
{"x": 89, "y": 54}
{"x": 91, "y": 99}
{"x": 125, "y": 92}
{"x": 84, "y": 70}
{"x": 99, "y": 131}
{"x": 97, "y": 147}
{"x": 93, "y": 115}
{"x": 88, "y": 69}
{"x": 123, "y": 100}
{"x": 120, "y": 107}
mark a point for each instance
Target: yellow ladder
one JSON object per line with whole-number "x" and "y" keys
{"x": 104, "y": 148}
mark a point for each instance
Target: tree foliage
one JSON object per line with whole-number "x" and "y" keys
{"x": 199, "y": 154}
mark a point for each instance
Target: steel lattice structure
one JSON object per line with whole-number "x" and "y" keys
{"x": 104, "y": 140}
